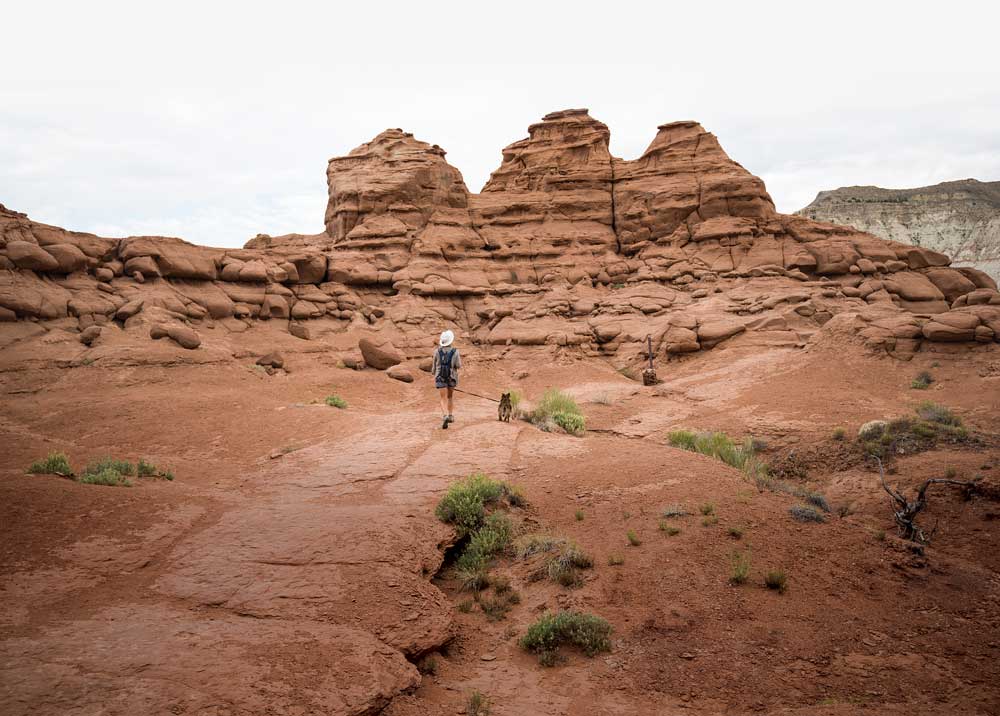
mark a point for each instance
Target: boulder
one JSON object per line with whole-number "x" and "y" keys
{"x": 7, "y": 315}
{"x": 299, "y": 331}
{"x": 398, "y": 372}
{"x": 274, "y": 306}
{"x": 143, "y": 265}
{"x": 103, "y": 274}
{"x": 69, "y": 257}
{"x": 379, "y": 355}
{"x": 129, "y": 309}
{"x": 32, "y": 257}
{"x": 711, "y": 333}
{"x": 271, "y": 360}
{"x": 89, "y": 335}
{"x": 184, "y": 336}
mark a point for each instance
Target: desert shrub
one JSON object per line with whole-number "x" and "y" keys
{"x": 148, "y": 469}
{"x": 559, "y": 408}
{"x": 615, "y": 560}
{"x": 472, "y": 577}
{"x": 735, "y": 532}
{"x": 588, "y": 632}
{"x": 493, "y": 537}
{"x": 55, "y": 464}
{"x": 561, "y": 567}
{"x": 572, "y": 424}
{"x": 122, "y": 467}
{"x": 633, "y": 538}
{"x": 673, "y": 511}
{"x": 776, "y": 580}
{"x": 872, "y": 430}
{"x": 464, "y": 504}
{"x": 601, "y": 399}
{"x": 515, "y": 400}
{"x": 839, "y": 433}
{"x": 107, "y": 476}
{"x": 741, "y": 568}
{"x": 108, "y": 471}
{"x": 478, "y": 704}
{"x": 721, "y": 447}
{"x": 496, "y": 607}
{"x": 564, "y": 567}
{"x": 922, "y": 381}
{"x": 815, "y": 499}
{"x": 709, "y": 520}
{"x": 934, "y": 413}
{"x": 804, "y": 513}
{"x": 428, "y": 665}
{"x": 535, "y": 543}
{"x": 668, "y": 529}
{"x": 707, "y": 509}
{"x": 500, "y": 583}
{"x": 579, "y": 515}
{"x": 335, "y": 401}
{"x": 465, "y": 606}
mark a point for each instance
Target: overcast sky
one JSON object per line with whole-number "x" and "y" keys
{"x": 214, "y": 121}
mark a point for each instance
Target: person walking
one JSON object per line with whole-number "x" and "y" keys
{"x": 447, "y": 362}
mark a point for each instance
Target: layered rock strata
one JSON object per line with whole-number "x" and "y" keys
{"x": 565, "y": 246}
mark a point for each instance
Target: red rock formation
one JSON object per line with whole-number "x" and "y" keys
{"x": 565, "y": 246}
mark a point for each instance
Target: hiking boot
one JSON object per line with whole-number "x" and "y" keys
{"x": 450, "y": 418}
{"x": 444, "y": 423}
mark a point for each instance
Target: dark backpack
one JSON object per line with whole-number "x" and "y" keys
{"x": 444, "y": 365}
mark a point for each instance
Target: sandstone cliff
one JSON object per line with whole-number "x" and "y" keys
{"x": 565, "y": 247}
{"x": 958, "y": 218}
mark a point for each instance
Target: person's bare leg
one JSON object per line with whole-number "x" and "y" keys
{"x": 445, "y": 400}
{"x": 451, "y": 402}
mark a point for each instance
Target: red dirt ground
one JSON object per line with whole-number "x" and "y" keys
{"x": 296, "y": 584}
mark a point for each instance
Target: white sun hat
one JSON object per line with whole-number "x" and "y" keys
{"x": 447, "y": 338}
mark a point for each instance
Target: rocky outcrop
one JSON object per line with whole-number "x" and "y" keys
{"x": 565, "y": 247}
{"x": 957, "y": 218}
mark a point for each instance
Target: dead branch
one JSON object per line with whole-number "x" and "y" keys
{"x": 905, "y": 511}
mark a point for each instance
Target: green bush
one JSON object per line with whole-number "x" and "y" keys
{"x": 579, "y": 515}
{"x": 669, "y": 529}
{"x": 493, "y": 537}
{"x": 588, "y": 632}
{"x": 922, "y": 381}
{"x": 335, "y": 401}
{"x": 633, "y": 538}
{"x": 707, "y": 509}
{"x": 122, "y": 467}
{"x": 839, "y": 433}
{"x": 464, "y": 504}
{"x": 558, "y": 407}
{"x": 55, "y": 464}
{"x": 107, "y": 476}
{"x": 615, "y": 560}
{"x": 721, "y": 447}
{"x": 145, "y": 469}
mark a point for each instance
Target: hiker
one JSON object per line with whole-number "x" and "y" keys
{"x": 445, "y": 369}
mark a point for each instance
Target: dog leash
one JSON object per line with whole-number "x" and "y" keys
{"x": 475, "y": 395}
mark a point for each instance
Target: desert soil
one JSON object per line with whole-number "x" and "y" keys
{"x": 295, "y": 566}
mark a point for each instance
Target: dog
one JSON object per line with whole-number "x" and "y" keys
{"x": 505, "y": 408}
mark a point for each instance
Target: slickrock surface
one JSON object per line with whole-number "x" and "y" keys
{"x": 957, "y": 218}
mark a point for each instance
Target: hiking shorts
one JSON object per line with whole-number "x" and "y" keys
{"x": 438, "y": 383}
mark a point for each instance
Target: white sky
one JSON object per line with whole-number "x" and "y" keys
{"x": 213, "y": 121}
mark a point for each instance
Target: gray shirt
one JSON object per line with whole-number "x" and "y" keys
{"x": 456, "y": 362}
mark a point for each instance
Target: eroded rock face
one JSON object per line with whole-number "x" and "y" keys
{"x": 958, "y": 218}
{"x": 566, "y": 246}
